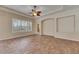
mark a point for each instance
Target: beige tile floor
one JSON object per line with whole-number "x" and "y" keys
{"x": 38, "y": 45}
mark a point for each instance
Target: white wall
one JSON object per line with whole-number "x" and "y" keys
{"x": 73, "y": 35}
{"x": 48, "y": 27}
{"x": 66, "y": 24}
{"x": 6, "y": 25}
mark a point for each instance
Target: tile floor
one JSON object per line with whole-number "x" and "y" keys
{"x": 36, "y": 44}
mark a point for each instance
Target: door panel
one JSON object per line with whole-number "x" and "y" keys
{"x": 48, "y": 27}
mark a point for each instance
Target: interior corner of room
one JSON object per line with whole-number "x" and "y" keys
{"x": 39, "y": 29}
{"x": 56, "y": 20}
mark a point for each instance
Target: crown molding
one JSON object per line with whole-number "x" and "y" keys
{"x": 51, "y": 12}
{"x": 71, "y": 11}
{"x": 14, "y": 11}
{"x": 25, "y": 15}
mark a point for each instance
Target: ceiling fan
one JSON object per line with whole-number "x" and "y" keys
{"x": 35, "y": 12}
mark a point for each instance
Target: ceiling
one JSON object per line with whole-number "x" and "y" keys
{"x": 46, "y": 9}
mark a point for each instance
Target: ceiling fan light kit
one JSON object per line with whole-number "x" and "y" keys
{"x": 35, "y": 12}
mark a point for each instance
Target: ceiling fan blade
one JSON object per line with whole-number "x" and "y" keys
{"x": 35, "y": 7}
{"x": 32, "y": 10}
{"x": 39, "y": 12}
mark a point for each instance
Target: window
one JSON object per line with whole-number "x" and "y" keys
{"x": 66, "y": 24}
{"x": 21, "y": 25}
{"x": 29, "y": 26}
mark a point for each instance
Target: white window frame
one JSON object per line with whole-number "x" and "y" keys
{"x": 26, "y": 28}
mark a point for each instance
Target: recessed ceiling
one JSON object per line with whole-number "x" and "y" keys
{"x": 46, "y": 9}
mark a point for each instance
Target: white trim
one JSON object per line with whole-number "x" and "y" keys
{"x": 51, "y": 12}
{"x": 13, "y": 11}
